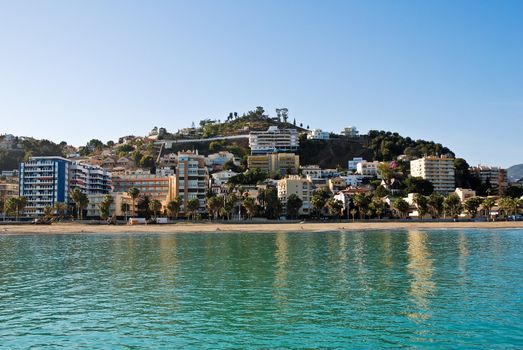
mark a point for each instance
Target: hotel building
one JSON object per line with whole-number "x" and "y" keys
{"x": 438, "y": 170}
{"x": 154, "y": 186}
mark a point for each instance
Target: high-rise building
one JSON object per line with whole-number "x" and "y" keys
{"x": 44, "y": 181}
{"x": 438, "y": 170}
{"x": 191, "y": 179}
{"x": 273, "y": 140}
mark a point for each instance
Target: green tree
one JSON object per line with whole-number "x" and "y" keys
{"x": 508, "y": 205}
{"x": 452, "y": 205}
{"x": 361, "y": 201}
{"x": 418, "y": 185}
{"x": 319, "y": 200}
{"x": 214, "y": 205}
{"x": 173, "y": 207}
{"x": 60, "y": 209}
{"x": 250, "y": 206}
{"x": 335, "y": 206}
{"x": 230, "y": 203}
{"x": 294, "y": 204}
{"x": 15, "y": 205}
{"x": 422, "y": 204}
{"x": 81, "y": 201}
{"x": 156, "y": 207}
{"x": 143, "y": 206}
{"x": 400, "y": 207}
{"x": 104, "y": 207}
{"x": 192, "y": 208}
{"x": 471, "y": 205}
{"x": 487, "y": 204}
{"x": 134, "y": 193}
{"x": 379, "y": 206}
{"x": 435, "y": 203}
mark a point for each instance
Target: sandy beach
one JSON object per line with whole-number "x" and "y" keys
{"x": 185, "y": 227}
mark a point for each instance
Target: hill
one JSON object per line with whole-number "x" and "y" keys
{"x": 515, "y": 172}
{"x": 15, "y": 149}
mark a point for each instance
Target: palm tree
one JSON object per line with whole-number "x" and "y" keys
{"x": 213, "y": 206}
{"x": 173, "y": 207}
{"x": 250, "y": 206}
{"x": 80, "y": 199}
{"x": 453, "y": 206}
{"x": 21, "y": 203}
{"x": 105, "y": 206}
{"x": 487, "y": 204}
{"x": 155, "y": 206}
{"x": 134, "y": 193}
{"x": 192, "y": 207}
{"x": 60, "y": 209}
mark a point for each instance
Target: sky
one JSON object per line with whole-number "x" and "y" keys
{"x": 448, "y": 71}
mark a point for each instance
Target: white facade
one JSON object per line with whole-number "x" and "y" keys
{"x": 367, "y": 169}
{"x": 273, "y": 140}
{"x": 89, "y": 178}
{"x": 353, "y": 164}
{"x": 222, "y": 177}
{"x": 318, "y": 134}
{"x": 438, "y": 170}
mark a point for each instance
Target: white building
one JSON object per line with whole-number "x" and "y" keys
{"x": 222, "y": 177}
{"x": 318, "y": 134}
{"x": 350, "y": 131}
{"x": 367, "y": 169}
{"x": 353, "y": 164}
{"x": 44, "y": 181}
{"x": 438, "y": 170}
{"x": 273, "y": 140}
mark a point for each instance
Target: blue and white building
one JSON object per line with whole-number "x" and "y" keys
{"x": 44, "y": 181}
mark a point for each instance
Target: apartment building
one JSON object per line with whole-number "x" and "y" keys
{"x": 191, "y": 179}
{"x": 282, "y": 163}
{"x": 8, "y": 187}
{"x": 155, "y": 186}
{"x": 299, "y": 186}
{"x": 273, "y": 140}
{"x": 89, "y": 179}
{"x": 495, "y": 175}
{"x": 367, "y": 169}
{"x": 44, "y": 181}
{"x": 47, "y": 180}
{"x": 119, "y": 198}
{"x": 438, "y": 170}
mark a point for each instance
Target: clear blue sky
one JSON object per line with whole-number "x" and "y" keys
{"x": 448, "y": 71}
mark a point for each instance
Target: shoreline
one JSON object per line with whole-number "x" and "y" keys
{"x": 187, "y": 227}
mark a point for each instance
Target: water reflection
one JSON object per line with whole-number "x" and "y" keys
{"x": 281, "y": 256}
{"x": 421, "y": 268}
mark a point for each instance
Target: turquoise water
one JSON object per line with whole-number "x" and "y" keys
{"x": 439, "y": 289}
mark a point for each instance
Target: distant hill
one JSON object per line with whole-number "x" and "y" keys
{"x": 515, "y": 172}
